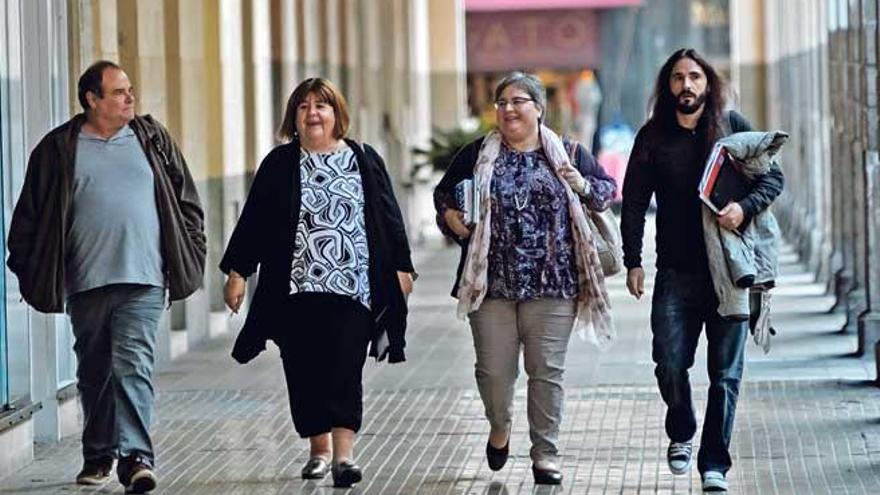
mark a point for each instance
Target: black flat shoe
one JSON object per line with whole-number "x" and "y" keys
{"x": 345, "y": 474}
{"x": 497, "y": 457}
{"x": 315, "y": 469}
{"x": 546, "y": 476}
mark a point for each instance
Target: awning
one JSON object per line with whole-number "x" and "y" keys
{"x": 496, "y": 5}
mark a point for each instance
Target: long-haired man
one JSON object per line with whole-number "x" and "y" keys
{"x": 688, "y": 115}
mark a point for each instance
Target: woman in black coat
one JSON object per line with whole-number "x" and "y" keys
{"x": 323, "y": 225}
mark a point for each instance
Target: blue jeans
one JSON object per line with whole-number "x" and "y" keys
{"x": 115, "y": 328}
{"x": 681, "y": 305}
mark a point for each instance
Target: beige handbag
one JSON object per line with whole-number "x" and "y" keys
{"x": 606, "y": 233}
{"x": 607, "y": 238}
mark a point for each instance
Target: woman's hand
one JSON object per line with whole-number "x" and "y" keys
{"x": 455, "y": 221}
{"x": 233, "y": 291}
{"x": 406, "y": 283}
{"x": 576, "y": 181}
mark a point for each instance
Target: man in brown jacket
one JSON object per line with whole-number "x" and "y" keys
{"x": 108, "y": 220}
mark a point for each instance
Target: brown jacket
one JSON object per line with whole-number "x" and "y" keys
{"x": 38, "y": 231}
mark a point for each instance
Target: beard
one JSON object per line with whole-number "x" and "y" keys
{"x": 689, "y": 108}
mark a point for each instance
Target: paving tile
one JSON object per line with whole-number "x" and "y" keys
{"x": 808, "y": 420}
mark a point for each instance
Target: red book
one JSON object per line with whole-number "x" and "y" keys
{"x": 722, "y": 181}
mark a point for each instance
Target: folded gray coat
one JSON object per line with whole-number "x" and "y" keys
{"x": 739, "y": 261}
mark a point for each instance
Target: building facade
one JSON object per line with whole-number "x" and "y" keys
{"x": 218, "y": 73}
{"x": 809, "y": 67}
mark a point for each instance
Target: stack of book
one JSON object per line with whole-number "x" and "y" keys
{"x": 722, "y": 181}
{"x": 467, "y": 197}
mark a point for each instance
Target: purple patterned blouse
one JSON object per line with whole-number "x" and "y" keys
{"x": 531, "y": 250}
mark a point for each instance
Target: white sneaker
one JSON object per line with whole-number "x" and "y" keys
{"x": 679, "y": 456}
{"x": 713, "y": 481}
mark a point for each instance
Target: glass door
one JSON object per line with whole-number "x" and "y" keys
{"x": 4, "y": 368}
{"x": 4, "y": 348}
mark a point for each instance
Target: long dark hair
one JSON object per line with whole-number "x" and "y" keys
{"x": 662, "y": 102}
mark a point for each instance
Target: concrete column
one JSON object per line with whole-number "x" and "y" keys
{"x": 856, "y": 144}
{"x": 257, "y": 82}
{"x": 332, "y": 30}
{"x": 93, "y": 36}
{"x": 810, "y": 209}
{"x": 422, "y": 223}
{"x": 142, "y": 53}
{"x": 869, "y": 320}
{"x": 190, "y": 320}
{"x": 448, "y": 63}
{"x": 419, "y": 34}
{"x": 285, "y": 51}
{"x": 842, "y": 257}
{"x": 309, "y": 29}
{"x": 822, "y": 121}
{"x": 223, "y": 87}
{"x": 232, "y": 105}
{"x": 397, "y": 95}
{"x": 372, "y": 55}
{"x": 352, "y": 71}
{"x": 748, "y": 66}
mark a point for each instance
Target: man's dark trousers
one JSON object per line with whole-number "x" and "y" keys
{"x": 682, "y": 303}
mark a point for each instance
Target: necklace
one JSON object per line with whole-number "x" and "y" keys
{"x": 329, "y": 149}
{"x": 521, "y": 201}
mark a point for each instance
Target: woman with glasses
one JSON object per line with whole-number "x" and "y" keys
{"x": 323, "y": 225}
{"x": 529, "y": 273}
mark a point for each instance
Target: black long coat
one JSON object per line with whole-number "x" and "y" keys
{"x": 265, "y": 234}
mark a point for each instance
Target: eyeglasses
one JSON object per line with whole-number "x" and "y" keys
{"x": 516, "y": 102}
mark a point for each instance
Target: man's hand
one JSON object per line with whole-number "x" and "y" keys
{"x": 455, "y": 220}
{"x": 731, "y": 217}
{"x": 406, "y": 283}
{"x": 635, "y": 281}
{"x": 233, "y": 291}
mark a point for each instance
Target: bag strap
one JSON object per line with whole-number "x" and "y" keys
{"x": 571, "y": 148}
{"x": 726, "y": 125}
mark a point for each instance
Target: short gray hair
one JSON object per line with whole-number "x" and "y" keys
{"x": 526, "y": 82}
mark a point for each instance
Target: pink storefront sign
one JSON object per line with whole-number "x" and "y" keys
{"x": 539, "y": 39}
{"x": 495, "y": 5}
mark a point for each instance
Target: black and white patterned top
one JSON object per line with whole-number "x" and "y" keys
{"x": 330, "y": 253}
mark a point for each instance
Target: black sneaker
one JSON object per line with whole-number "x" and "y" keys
{"x": 679, "y": 456}
{"x": 135, "y": 475}
{"x": 95, "y": 472}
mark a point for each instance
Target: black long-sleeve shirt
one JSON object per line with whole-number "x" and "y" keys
{"x": 669, "y": 164}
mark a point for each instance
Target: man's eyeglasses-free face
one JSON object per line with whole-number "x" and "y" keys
{"x": 516, "y": 102}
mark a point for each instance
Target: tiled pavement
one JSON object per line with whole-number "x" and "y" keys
{"x": 808, "y": 421}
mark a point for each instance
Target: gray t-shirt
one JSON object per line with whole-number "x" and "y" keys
{"x": 114, "y": 230}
